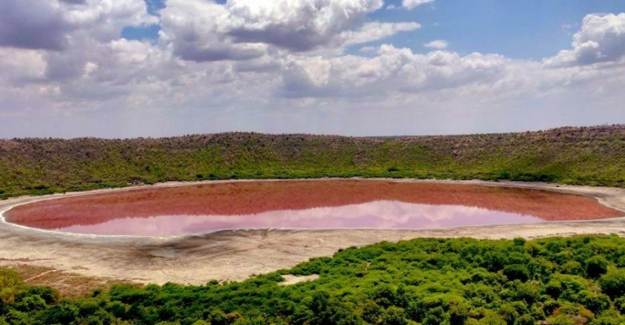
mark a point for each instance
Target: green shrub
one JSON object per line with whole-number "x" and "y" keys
{"x": 613, "y": 283}
{"x": 394, "y": 316}
{"x": 572, "y": 267}
{"x": 10, "y": 285}
{"x": 59, "y": 314}
{"x": 609, "y": 317}
{"x": 596, "y": 302}
{"x": 596, "y": 266}
{"x": 516, "y": 272}
{"x": 525, "y": 319}
{"x": 372, "y": 312}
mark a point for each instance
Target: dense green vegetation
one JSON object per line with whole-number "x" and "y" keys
{"x": 594, "y": 156}
{"x": 577, "y": 280}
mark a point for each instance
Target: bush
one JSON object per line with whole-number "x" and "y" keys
{"x": 372, "y": 312}
{"x": 508, "y": 313}
{"x": 528, "y": 292}
{"x": 613, "y": 283}
{"x": 516, "y": 272}
{"x": 572, "y": 267}
{"x": 394, "y": 316}
{"x": 525, "y": 319}
{"x": 10, "y": 285}
{"x": 384, "y": 296}
{"x": 492, "y": 319}
{"x": 458, "y": 313}
{"x": 571, "y": 286}
{"x": 49, "y": 295}
{"x": 619, "y": 304}
{"x": 435, "y": 316}
{"x": 30, "y": 303}
{"x": 608, "y": 318}
{"x": 60, "y": 314}
{"x": 596, "y": 302}
{"x": 596, "y": 266}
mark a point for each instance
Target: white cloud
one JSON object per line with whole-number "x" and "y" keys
{"x": 411, "y": 4}
{"x": 437, "y": 44}
{"x": 104, "y": 19}
{"x": 32, "y": 24}
{"x": 52, "y": 24}
{"x": 295, "y": 24}
{"x": 601, "y": 39}
{"x": 244, "y": 29}
{"x": 375, "y": 31}
{"x": 391, "y": 70}
{"x": 21, "y": 66}
{"x": 197, "y": 31}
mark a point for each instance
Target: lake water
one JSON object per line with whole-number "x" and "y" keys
{"x": 369, "y": 215}
{"x": 315, "y": 204}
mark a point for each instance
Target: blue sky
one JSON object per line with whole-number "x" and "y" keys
{"x": 528, "y": 29}
{"x": 149, "y": 32}
{"x": 516, "y": 29}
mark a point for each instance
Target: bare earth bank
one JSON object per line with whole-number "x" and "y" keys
{"x": 236, "y": 255}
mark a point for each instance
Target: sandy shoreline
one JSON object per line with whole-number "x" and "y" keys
{"x": 235, "y": 255}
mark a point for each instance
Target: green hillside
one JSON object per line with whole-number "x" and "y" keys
{"x": 594, "y": 156}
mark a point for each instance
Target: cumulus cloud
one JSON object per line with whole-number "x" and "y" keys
{"x": 600, "y": 39}
{"x": 197, "y": 31}
{"x": 104, "y": 20}
{"x": 50, "y": 25}
{"x": 411, "y": 4}
{"x": 297, "y": 25}
{"x": 20, "y": 66}
{"x": 32, "y": 24}
{"x": 375, "y": 31}
{"x": 437, "y": 44}
{"x": 244, "y": 29}
{"x": 391, "y": 70}
{"x": 64, "y": 50}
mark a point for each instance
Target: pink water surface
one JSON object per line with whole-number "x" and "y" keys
{"x": 369, "y": 215}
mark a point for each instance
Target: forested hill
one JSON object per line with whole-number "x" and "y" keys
{"x": 592, "y": 155}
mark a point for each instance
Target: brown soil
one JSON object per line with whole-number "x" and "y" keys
{"x": 255, "y": 197}
{"x": 67, "y": 284}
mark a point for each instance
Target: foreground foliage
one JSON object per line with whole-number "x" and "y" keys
{"x": 591, "y": 156}
{"x": 577, "y": 280}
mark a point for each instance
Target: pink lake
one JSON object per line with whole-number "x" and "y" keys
{"x": 382, "y": 214}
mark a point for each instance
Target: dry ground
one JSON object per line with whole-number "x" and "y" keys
{"x": 66, "y": 283}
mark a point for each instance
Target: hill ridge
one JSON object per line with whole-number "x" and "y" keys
{"x": 572, "y": 155}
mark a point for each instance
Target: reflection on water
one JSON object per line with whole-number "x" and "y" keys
{"x": 370, "y": 215}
